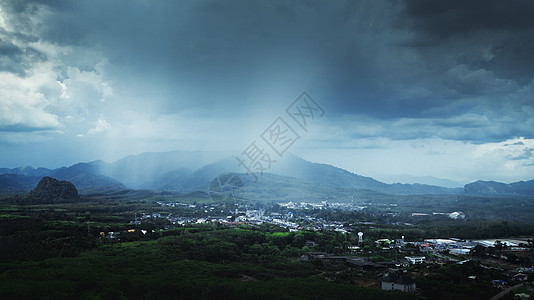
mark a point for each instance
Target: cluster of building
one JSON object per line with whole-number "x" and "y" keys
{"x": 216, "y": 213}
{"x": 459, "y": 246}
{"x": 322, "y": 205}
{"x": 394, "y": 272}
{"x": 393, "y": 276}
{"x": 455, "y": 215}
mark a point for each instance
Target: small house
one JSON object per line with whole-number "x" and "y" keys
{"x": 397, "y": 282}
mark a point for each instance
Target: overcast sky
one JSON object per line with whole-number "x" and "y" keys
{"x": 438, "y": 88}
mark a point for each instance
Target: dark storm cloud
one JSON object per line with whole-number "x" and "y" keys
{"x": 445, "y": 19}
{"x": 472, "y": 128}
{"x": 428, "y": 64}
{"x": 231, "y": 48}
{"x": 234, "y": 47}
{"x": 10, "y": 57}
{"x": 14, "y": 58}
{"x": 8, "y": 49}
{"x": 505, "y": 27}
{"x": 475, "y": 58}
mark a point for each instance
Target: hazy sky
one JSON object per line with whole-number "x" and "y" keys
{"x": 440, "y": 88}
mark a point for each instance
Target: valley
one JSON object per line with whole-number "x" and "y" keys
{"x": 212, "y": 231}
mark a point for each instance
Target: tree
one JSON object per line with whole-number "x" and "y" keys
{"x": 346, "y": 245}
{"x": 410, "y": 245}
{"x": 479, "y": 250}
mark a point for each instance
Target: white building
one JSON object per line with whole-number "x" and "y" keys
{"x": 398, "y": 283}
{"x": 415, "y": 259}
{"x": 460, "y": 251}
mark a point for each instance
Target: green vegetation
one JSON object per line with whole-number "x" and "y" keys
{"x": 66, "y": 251}
{"x": 51, "y": 254}
{"x": 454, "y": 279}
{"x": 526, "y": 291}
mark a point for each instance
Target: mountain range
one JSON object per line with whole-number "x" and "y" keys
{"x": 187, "y": 172}
{"x": 498, "y": 188}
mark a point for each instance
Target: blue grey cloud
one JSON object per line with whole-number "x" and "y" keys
{"x": 396, "y": 70}
{"x": 362, "y": 56}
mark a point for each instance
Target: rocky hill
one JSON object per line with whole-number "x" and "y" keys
{"x": 51, "y": 190}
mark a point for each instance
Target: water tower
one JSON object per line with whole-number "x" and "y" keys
{"x": 360, "y": 237}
